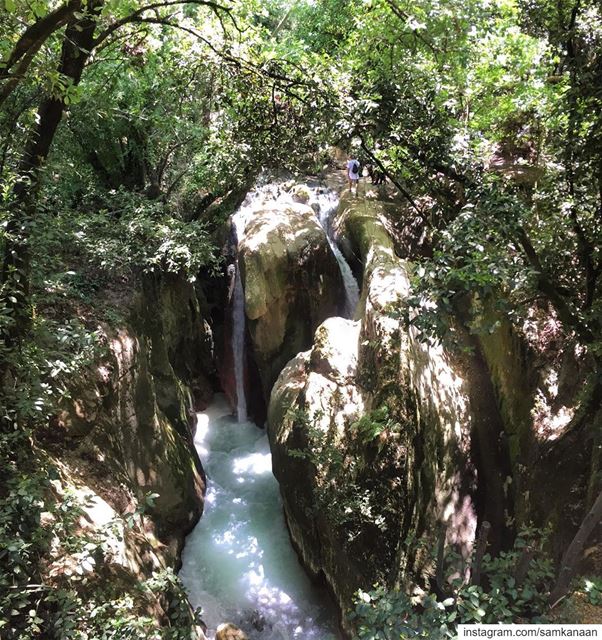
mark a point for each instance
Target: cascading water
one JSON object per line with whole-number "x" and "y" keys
{"x": 238, "y": 563}
{"x": 325, "y": 202}
{"x": 238, "y": 335}
{"x": 327, "y": 205}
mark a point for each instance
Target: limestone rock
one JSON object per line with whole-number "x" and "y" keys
{"x": 351, "y": 492}
{"x": 300, "y": 193}
{"x": 132, "y": 411}
{"x": 229, "y": 631}
{"x": 322, "y": 382}
{"x": 292, "y": 283}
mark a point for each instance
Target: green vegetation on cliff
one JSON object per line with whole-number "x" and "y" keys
{"x": 129, "y": 131}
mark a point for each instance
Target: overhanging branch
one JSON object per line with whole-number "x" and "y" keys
{"x": 135, "y": 15}
{"x": 404, "y": 192}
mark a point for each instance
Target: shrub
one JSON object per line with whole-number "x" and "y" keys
{"x": 383, "y": 614}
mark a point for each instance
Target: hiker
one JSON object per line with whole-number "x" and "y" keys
{"x": 353, "y": 172}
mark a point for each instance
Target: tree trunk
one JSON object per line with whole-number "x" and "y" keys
{"x": 475, "y": 570}
{"x": 522, "y": 566}
{"x": 27, "y": 46}
{"x": 572, "y": 556}
{"x": 15, "y": 275}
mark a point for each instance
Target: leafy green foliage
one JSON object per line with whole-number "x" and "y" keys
{"x": 175, "y": 111}
{"x": 486, "y": 114}
{"x": 369, "y": 427}
{"x": 358, "y": 507}
{"x": 138, "y": 239}
{"x": 50, "y": 565}
{"x": 45, "y": 367}
{"x": 592, "y": 587}
{"x": 394, "y": 614}
{"x": 476, "y": 254}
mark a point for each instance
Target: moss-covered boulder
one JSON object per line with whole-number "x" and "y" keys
{"x": 322, "y": 383}
{"x": 292, "y": 282}
{"x": 368, "y": 432}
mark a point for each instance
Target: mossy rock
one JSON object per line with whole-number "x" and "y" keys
{"x": 292, "y": 282}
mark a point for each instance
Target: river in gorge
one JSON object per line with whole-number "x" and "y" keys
{"x": 238, "y": 563}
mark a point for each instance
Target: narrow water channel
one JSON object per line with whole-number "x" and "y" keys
{"x": 328, "y": 203}
{"x": 238, "y": 563}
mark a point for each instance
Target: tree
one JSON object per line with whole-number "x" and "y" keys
{"x": 263, "y": 99}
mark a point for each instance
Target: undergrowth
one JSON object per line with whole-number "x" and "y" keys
{"x": 57, "y": 576}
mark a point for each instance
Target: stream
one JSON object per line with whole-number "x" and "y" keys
{"x": 238, "y": 563}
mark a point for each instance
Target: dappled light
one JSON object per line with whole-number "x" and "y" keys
{"x": 253, "y": 464}
{"x": 376, "y": 227}
{"x": 238, "y": 563}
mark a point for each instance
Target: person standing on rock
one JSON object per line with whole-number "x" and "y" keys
{"x": 353, "y": 172}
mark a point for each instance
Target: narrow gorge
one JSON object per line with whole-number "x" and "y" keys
{"x": 238, "y": 564}
{"x": 376, "y": 437}
{"x": 300, "y": 318}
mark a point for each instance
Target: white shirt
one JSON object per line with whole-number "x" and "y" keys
{"x": 350, "y": 173}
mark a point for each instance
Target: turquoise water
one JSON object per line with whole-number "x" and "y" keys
{"x": 238, "y": 563}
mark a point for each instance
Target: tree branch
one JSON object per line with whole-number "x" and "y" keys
{"x": 475, "y": 577}
{"x": 37, "y": 33}
{"x": 571, "y": 557}
{"x": 133, "y": 17}
{"x": 167, "y": 155}
{"x": 287, "y": 82}
{"x": 28, "y": 45}
{"x": 550, "y": 290}
{"x": 406, "y": 194}
{"x": 175, "y": 182}
{"x": 404, "y": 17}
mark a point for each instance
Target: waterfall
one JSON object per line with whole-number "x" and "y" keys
{"x": 238, "y": 563}
{"x": 328, "y": 204}
{"x": 325, "y": 202}
{"x": 252, "y": 203}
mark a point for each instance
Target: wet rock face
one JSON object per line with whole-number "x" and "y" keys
{"x": 325, "y": 379}
{"x": 292, "y": 282}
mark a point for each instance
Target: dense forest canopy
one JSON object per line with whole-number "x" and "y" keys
{"x": 130, "y": 131}
{"x": 174, "y": 105}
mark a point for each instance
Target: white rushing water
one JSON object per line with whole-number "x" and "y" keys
{"x": 238, "y": 563}
{"x": 328, "y": 203}
{"x": 325, "y": 202}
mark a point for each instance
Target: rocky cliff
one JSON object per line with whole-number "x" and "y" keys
{"x": 292, "y": 282}
{"x": 373, "y": 425}
{"x": 131, "y": 416}
{"x": 382, "y": 439}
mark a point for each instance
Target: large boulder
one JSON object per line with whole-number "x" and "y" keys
{"x": 322, "y": 384}
{"x": 292, "y": 283}
{"x": 358, "y": 480}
